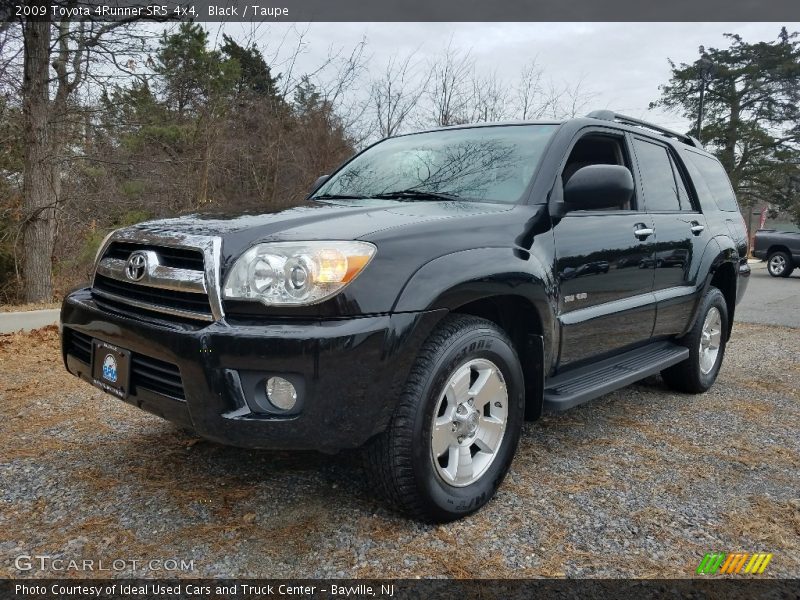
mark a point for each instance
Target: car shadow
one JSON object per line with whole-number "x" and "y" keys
{"x": 186, "y": 473}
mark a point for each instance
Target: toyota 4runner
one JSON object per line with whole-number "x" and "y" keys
{"x": 435, "y": 291}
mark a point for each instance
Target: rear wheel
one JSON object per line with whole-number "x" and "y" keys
{"x": 456, "y": 428}
{"x": 779, "y": 264}
{"x": 706, "y": 342}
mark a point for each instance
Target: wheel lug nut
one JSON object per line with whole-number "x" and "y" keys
{"x": 471, "y": 401}
{"x": 498, "y": 405}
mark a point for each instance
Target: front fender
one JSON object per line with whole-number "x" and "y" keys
{"x": 456, "y": 279}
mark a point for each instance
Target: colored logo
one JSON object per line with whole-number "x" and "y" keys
{"x": 110, "y": 368}
{"x": 136, "y": 266}
{"x": 738, "y": 563}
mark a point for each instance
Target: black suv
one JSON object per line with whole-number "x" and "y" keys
{"x": 435, "y": 291}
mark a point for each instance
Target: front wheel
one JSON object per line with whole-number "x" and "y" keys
{"x": 706, "y": 342}
{"x": 779, "y": 264}
{"x": 456, "y": 427}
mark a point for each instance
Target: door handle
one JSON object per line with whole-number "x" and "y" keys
{"x": 643, "y": 232}
{"x": 696, "y": 228}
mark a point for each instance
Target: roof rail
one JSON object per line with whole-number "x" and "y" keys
{"x": 609, "y": 115}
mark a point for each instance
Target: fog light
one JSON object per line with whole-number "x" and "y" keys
{"x": 281, "y": 393}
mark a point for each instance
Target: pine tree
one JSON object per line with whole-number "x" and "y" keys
{"x": 254, "y": 73}
{"x": 194, "y": 78}
{"x": 751, "y": 115}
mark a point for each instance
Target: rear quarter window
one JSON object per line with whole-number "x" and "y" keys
{"x": 710, "y": 181}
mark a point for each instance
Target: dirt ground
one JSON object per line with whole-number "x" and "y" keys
{"x": 640, "y": 483}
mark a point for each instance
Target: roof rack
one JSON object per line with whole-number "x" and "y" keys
{"x": 609, "y": 115}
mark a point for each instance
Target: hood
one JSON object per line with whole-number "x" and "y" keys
{"x": 316, "y": 220}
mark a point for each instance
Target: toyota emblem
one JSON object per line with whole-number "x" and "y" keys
{"x": 136, "y": 266}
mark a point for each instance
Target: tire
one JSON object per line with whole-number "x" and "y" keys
{"x": 430, "y": 414}
{"x": 697, "y": 373}
{"x": 779, "y": 264}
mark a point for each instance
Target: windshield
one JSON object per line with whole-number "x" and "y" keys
{"x": 491, "y": 164}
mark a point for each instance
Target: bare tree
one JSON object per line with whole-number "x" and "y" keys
{"x": 576, "y": 98}
{"x": 566, "y": 99}
{"x": 71, "y": 49}
{"x": 339, "y": 79}
{"x": 336, "y": 79}
{"x": 529, "y": 92}
{"x": 490, "y": 98}
{"x": 450, "y": 91}
{"x": 396, "y": 93}
{"x": 40, "y": 191}
{"x": 10, "y": 52}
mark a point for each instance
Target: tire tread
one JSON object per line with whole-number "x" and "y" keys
{"x": 685, "y": 376}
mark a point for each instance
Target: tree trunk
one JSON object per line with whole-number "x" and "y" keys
{"x": 39, "y": 172}
{"x": 728, "y": 155}
{"x": 205, "y": 168}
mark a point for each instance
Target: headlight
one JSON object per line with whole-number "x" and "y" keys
{"x": 296, "y": 273}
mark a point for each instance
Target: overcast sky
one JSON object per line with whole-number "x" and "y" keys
{"x": 621, "y": 63}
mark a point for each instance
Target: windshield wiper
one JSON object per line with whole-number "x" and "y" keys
{"x": 417, "y": 195}
{"x": 339, "y": 197}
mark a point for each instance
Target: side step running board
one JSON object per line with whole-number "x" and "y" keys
{"x": 585, "y": 383}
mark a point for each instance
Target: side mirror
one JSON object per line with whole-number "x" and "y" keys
{"x": 320, "y": 180}
{"x": 598, "y": 186}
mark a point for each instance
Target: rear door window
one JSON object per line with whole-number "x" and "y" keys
{"x": 658, "y": 180}
{"x": 683, "y": 191}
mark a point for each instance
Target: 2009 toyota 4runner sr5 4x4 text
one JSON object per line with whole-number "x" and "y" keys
{"x": 435, "y": 291}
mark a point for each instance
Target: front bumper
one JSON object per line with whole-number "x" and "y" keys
{"x": 351, "y": 372}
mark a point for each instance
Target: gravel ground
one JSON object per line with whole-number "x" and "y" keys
{"x": 640, "y": 483}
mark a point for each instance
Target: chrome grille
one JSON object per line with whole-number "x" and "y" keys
{"x": 165, "y": 274}
{"x": 185, "y": 304}
{"x": 180, "y": 258}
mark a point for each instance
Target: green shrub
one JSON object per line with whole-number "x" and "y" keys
{"x": 132, "y": 188}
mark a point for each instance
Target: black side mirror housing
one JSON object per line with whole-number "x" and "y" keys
{"x": 320, "y": 180}
{"x": 598, "y": 186}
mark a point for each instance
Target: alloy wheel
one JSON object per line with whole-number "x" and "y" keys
{"x": 777, "y": 264}
{"x": 469, "y": 422}
{"x": 710, "y": 339}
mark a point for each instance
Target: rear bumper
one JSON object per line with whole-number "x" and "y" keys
{"x": 742, "y": 280}
{"x": 348, "y": 372}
